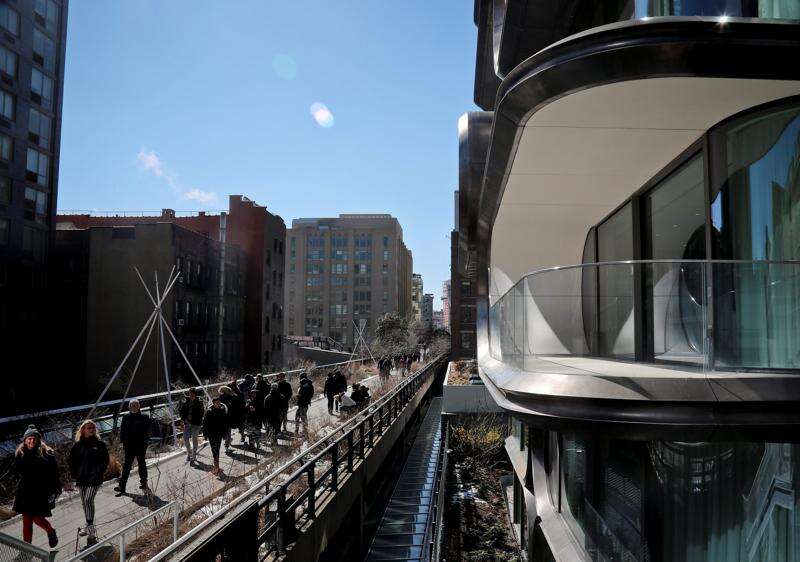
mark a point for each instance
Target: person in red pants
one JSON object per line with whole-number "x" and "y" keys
{"x": 39, "y": 485}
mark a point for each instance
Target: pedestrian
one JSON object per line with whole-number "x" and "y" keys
{"x": 134, "y": 434}
{"x": 273, "y": 403}
{"x": 305, "y": 393}
{"x": 247, "y": 385}
{"x": 286, "y": 391}
{"x": 39, "y": 485}
{"x": 88, "y": 461}
{"x": 346, "y": 403}
{"x": 191, "y": 412}
{"x": 262, "y": 388}
{"x": 330, "y": 390}
{"x": 215, "y": 427}
{"x": 253, "y": 421}
{"x": 341, "y": 382}
{"x": 233, "y": 404}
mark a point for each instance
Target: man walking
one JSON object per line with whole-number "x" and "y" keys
{"x": 304, "y": 396}
{"x": 192, "y": 411}
{"x": 286, "y": 392}
{"x": 134, "y": 436}
{"x": 272, "y": 412}
{"x": 330, "y": 390}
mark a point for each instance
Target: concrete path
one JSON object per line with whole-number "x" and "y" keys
{"x": 168, "y": 479}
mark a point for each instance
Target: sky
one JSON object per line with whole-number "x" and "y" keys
{"x": 311, "y": 108}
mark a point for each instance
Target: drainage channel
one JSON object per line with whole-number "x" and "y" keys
{"x": 403, "y": 533}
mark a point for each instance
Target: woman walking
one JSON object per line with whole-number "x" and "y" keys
{"x": 39, "y": 485}
{"x": 88, "y": 460}
{"x": 215, "y": 427}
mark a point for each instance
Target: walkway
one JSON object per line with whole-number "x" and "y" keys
{"x": 403, "y": 529}
{"x": 168, "y": 479}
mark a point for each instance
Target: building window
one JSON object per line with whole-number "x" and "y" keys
{"x": 46, "y": 13}
{"x": 385, "y": 241}
{"x": 39, "y": 127}
{"x": 6, "y": 147}
{"x": 8, "y": 62}
{"x": 9, "y": 20}
{"x": 339, "y": 281}
{"x": 44, "y": 51}
{"x": 34, "y": 242}
{"x": 339, "y": 268}
{"x": 35, "y": 205}
{"x": 7, "y": 105}
{"x": 314, "y": 282}
{"x": 386, "y": 295}
{"x": 386, "y": 255}
{"x": 41, "y": 89}
{"x": 385, "y": 269}
{"x": 363, "y": 255}
{"x": 5, "y": 190}
{"x": 4, "y": 231}
{"x": 37, "y": 167}
{"x": 362, "y": 268}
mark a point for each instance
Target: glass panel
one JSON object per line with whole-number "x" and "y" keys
{"x": 780, "y": 9}
{"x": 615, "y": 285}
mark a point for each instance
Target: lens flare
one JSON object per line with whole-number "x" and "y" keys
{"x": 284, "y": 66}
{"x": 322, "y": 115}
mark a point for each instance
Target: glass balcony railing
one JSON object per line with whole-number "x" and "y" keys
{"x": 712, "y": 316}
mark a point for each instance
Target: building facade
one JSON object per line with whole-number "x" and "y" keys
{"x": 636, "y": 262}
{"x": 427, "y": 310}
{"x": 344, "y": 273}
{"x": 106, "y": 306}
{"x": 446, "y": 304}
{"x": 416, "y": 297}
{"x": 32, "y": 48}
{"x": 261, "y": 236}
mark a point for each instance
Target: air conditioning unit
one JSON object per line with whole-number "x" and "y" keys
{"x": 181, "y": 321}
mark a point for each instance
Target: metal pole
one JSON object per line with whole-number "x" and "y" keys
{"x": 176, "y": 520}
{"x": 122, "y": 547}
{"x": 166, "y": 367}
{"x": 135, "y": 369}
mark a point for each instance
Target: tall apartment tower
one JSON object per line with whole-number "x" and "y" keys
{"x": 416, "y": 296}
{"x": 32, "y": 46}
{"x": 345, "y": 273}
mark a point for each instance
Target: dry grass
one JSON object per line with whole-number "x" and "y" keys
{"x": 462, "y": 371}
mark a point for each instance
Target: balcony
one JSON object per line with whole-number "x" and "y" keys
{"x": 666, "y": 333}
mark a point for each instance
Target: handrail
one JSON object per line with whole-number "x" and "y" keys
{"x": 171, "y": 506}
{"x": 357, "y": 421}
{"x": 27, "y": 548}
{"x": 640, "y": 262}
{"x": 71, "y": 409}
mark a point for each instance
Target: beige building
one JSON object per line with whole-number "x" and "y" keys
{"x": 345, "y": 272}
{"x": 416, "y": 297}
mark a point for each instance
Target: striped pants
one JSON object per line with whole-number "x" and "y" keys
{"x": 87, "y": 501}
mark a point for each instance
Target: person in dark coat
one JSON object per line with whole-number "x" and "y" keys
{"x": 262, "y": 389}
{"x": 88, "y": 461}
{"x": 341, "y": 384}
{"x": 272, "y": 411}
{"x": 39, "y": 485}
{"x": 134, "y": 436}
{"x": 191, "y": 412}
{"x": 305, "y": 393}
{"x": 234, "y": 405}
{"x": 253, "y": 420}
{"x": 330, "y": 390}
{"x": 215, "y": 427}
{"x": 286, "y": 391}
{"x": 247, "y": 385}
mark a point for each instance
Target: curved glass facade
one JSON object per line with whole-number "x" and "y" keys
{"x": 694, "y": 502}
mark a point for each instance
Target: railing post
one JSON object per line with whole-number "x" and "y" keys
{"x": 335, "y": 466}
{"x": 371, "y": 430}
{"x": 312, "y": 491}
{"x": 122, "y": 547}
{"x": 363, "y": 440}
{"x": 176, "y": 521}
{"x": 350, "y": 451}
{"x": 282, "y": 521}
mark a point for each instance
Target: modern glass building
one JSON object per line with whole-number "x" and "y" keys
{"x": 637, "y": 231}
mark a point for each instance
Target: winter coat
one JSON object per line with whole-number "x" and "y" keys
{"x": 192, "y": 411}
{"x": 233, "y": 402}
{"x": 262, "y": 389}
{"x": 88, "y": 460}
{"x": 330, "y": 386}
{"x": 135, "y": 431}
{"x": 39, "y": 482}
{"x": 286, "y": 392}
{"x": 215, "y": 423}
{"x": 246, "y": 385}
{"x": 252, "y": 416}
{"x": 341, "y": 382}
{"x": 272, "y": 408}
{"x": 305, "y": 393}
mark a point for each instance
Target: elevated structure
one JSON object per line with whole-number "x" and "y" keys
{"x": 637, "y": 310}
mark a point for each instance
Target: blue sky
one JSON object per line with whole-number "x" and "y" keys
{"x": 178, "y": 103}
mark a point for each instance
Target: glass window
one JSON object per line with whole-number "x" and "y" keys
{"x": 37, "y": 168}
{"x": 779, "y": 9}
{"x": 7, "y": 105}
{"x": 4, "y": 227}
{"x": 8, "y": 61}
{"x": 44, "y": 50}
{"x": 34, "y": 242}
{"x": 755, "y": 215}
{"x": 47, "y": 14}
{"x": 41, "y": 89}
{"x": 5, "y": 190}
{"x": 6, "y": 147}
{"x": 615, "y": 301}
{"x": 9, "y": 20}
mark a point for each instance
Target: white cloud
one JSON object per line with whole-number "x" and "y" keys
{"x": 203, "y": 197}
{"x": 150, "y": 162}
{"x": 322, "y": 115}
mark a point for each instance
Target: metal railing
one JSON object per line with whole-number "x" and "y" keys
{"x": 282, "y": 507}
{"x": 436, "y": 531}
{"x": 118, "y": 537}
{"x": 712, "y": 316}
{"x": 12, "y": 548}
{"x": 60, "y": 424}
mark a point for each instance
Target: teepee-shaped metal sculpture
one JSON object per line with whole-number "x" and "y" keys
{"x": 156, "y": 317}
